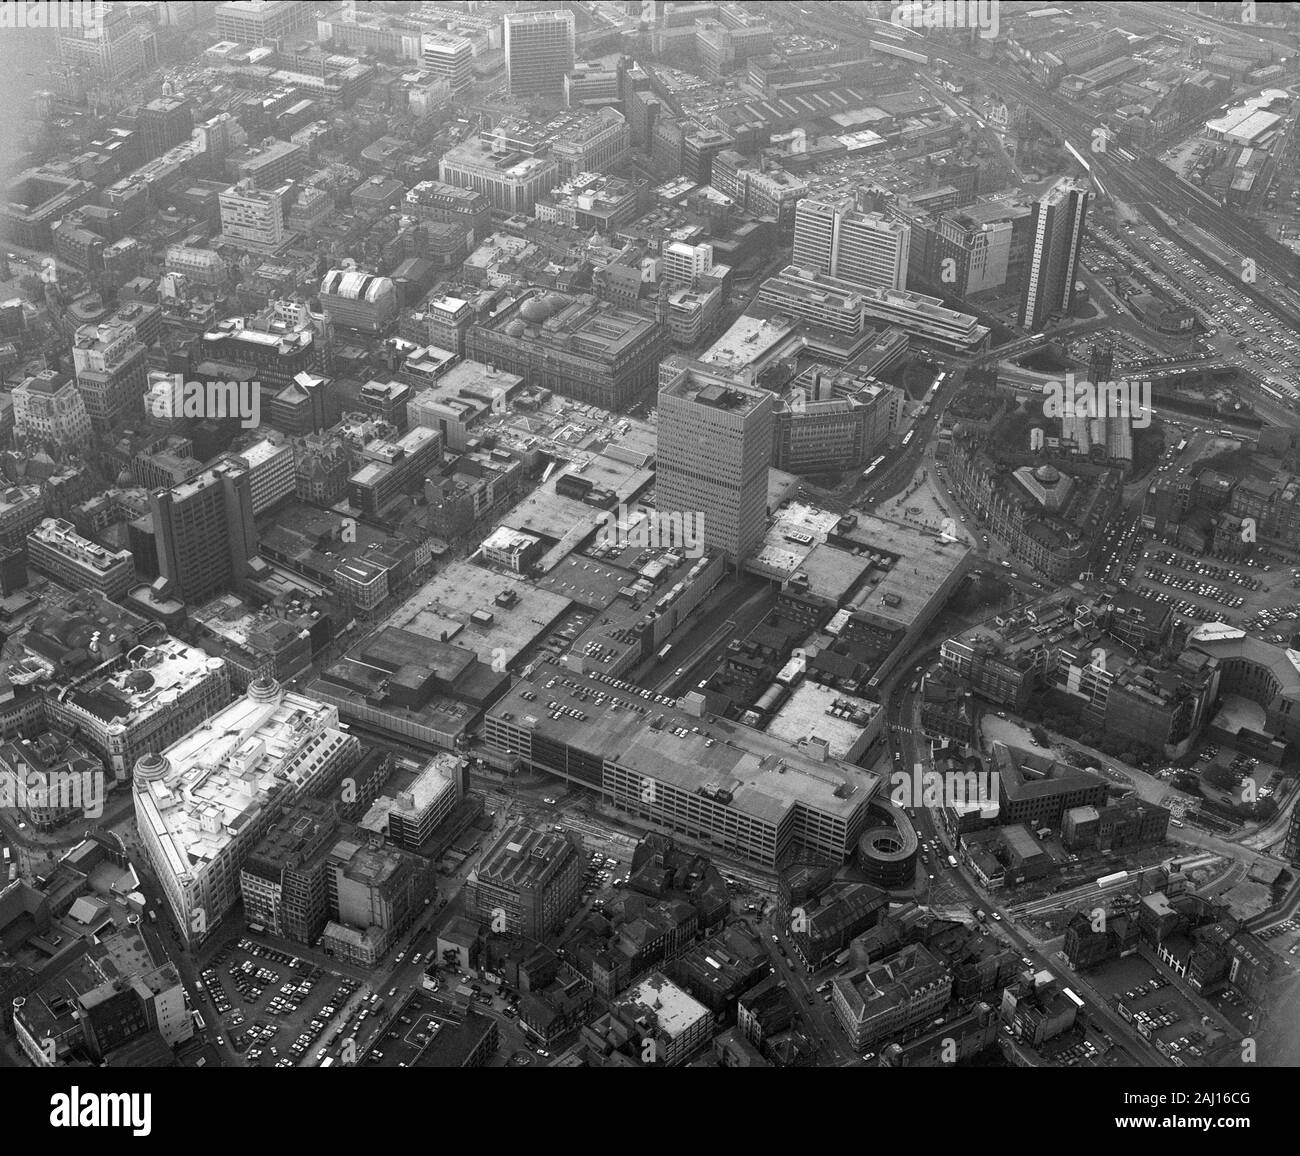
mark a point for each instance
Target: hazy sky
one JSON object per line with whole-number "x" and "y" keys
{"x": 22, "y": 51}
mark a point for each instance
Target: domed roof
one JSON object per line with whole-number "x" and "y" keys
{"x": 535, "y": 309}
{"x": 516, "y": 327}
{"x": 151, "y": 766}
{"x": 1048, "y": 474}
{"x": 264, "y": 689}
{"x": 555, "y": 302}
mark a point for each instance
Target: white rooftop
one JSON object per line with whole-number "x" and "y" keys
{"x": 222, "y": 773}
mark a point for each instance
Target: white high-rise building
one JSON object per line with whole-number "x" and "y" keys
{"x": 682, "y": 264}
{"x": 872, "y": 250}
{"x": 539, "y": 50}
{"x": 834, "y": 238}
{"x": 816, "y": 224}
{"x": 449, "y": 58}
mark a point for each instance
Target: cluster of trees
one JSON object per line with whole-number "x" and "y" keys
{"x": 1063, "y": 715}
{"x": 976, "y": 594}
{"x": 1148, "y": 445}
{"x": 1225, "y": 779}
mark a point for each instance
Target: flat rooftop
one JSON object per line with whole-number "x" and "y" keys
{"x": 737, "y": 399}
{"x": 779, "y": 555}
{"x": 474, "y": 379}
{"x": 923, "y": 563}
{"x": 443, "y": 608}
{"x": 221, "y": 775}
{"x": 673, "y": 1010}
{"x": 820, "y": 712}
{"x": 749, "y": 340}
{"x": 766, "y": 776}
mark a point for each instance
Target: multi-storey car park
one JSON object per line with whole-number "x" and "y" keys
{"x": 752, "y": 796}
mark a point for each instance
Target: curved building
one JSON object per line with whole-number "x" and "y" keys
{"x": 887, "y": 850}
{"x": 354, "y": 299}
{"x": 1267, "y": 675}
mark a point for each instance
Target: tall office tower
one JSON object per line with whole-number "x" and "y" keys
{"x": 1111, "y": 433}
{"x": 539, "y": 51}
{"x": 1059, "y": 216}
{"x": 450, "y": 58}
{"x": 715, "y": 446}
{"x": 112, "y": 368}
{"x": 164, "y": 123}
{"x": 872, "y": 250}
{"x": 834, "y": 237}
{"x": 204, "y": 532}
{"x": 816, "y": 223}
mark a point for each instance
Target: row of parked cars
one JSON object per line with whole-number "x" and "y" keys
{"x": 1191, "y": 610}
{"x": 1208, "y": 569}
{"x": 1210, "y": 591}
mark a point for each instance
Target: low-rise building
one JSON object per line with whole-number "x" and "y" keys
{"x": 668, "y": 1025}
{"x": 886, "y": 998}
{"x": 56, "y": 549}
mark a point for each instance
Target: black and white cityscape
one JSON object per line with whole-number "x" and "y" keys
{"x": 625, "y": 533}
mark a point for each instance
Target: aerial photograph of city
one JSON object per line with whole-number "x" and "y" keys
{"x": 634, "y": 533}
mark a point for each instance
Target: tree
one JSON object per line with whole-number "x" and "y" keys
{"x": 1040, "y": 736}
